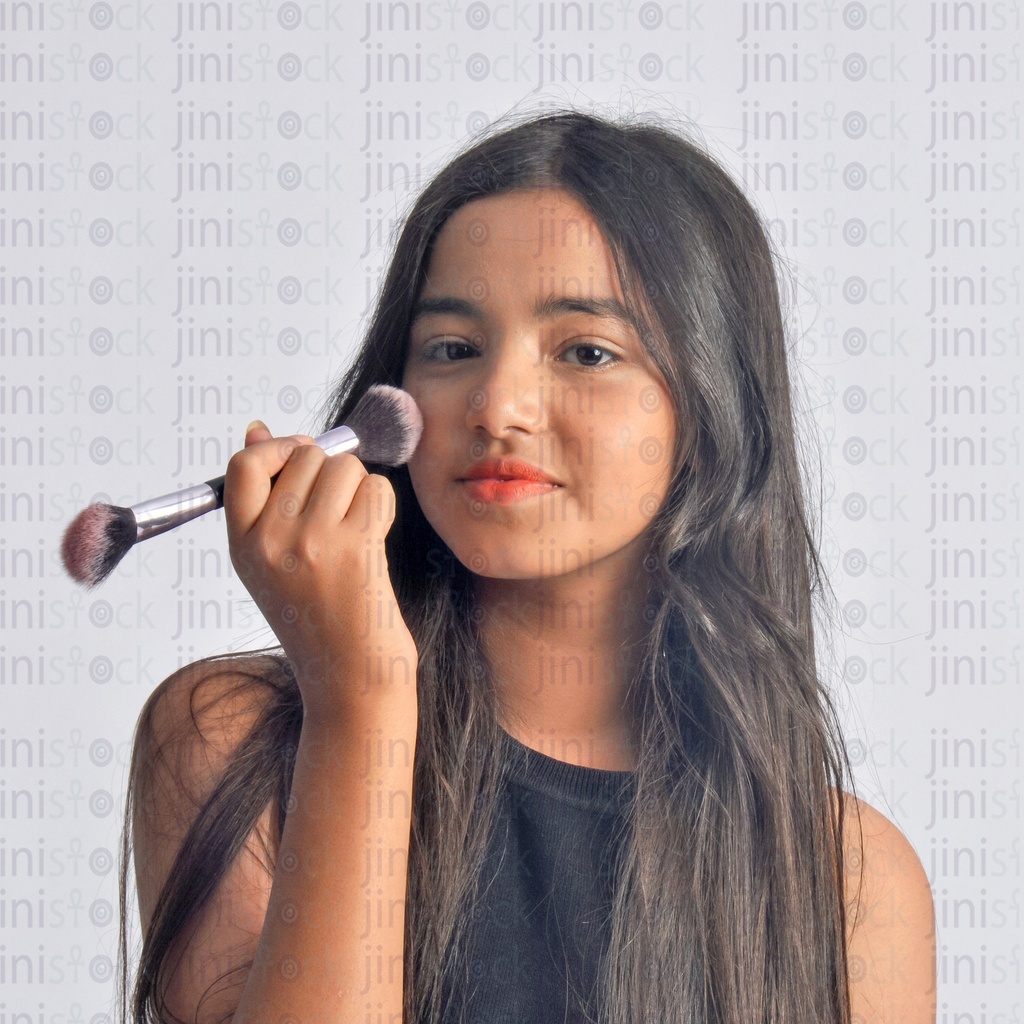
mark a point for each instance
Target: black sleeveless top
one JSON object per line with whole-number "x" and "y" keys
{"x": 539, "y": 930}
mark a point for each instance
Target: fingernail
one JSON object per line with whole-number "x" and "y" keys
{"x": 256, "y": 425}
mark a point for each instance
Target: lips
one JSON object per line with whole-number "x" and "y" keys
{"x": 506, "y": 481}
{"x": 506, "y": 469}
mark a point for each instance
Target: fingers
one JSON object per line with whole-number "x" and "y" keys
{"x": 314, "y": 486}
{"x": 248, "y": 479}
{"x": 339, "y": 477}
{"x": 273, "y": 481}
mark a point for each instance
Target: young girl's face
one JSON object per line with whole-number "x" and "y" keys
{"x": 548, "y": 431}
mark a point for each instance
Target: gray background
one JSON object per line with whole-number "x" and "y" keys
{"x": 284, "y": 142}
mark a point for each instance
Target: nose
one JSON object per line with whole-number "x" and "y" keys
{"x": 507, "y": 393}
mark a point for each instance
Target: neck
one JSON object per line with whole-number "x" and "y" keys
{"x": 562, "y": 653}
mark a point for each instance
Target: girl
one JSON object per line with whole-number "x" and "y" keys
{"x": 546, "y": 740}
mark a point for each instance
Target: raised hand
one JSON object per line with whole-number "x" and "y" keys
{"x": 309, "y": 547}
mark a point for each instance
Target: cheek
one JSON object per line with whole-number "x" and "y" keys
{"x": 647, "y": 422}
{"x": 441, "y": 416}
{"x": 660, "y": 429}
{"x": 422, "y": 477}
{"x": 431, "y": 467}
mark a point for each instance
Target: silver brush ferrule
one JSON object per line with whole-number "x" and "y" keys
{"x": 340, "y": 439}
{"x": 158, "y": 515}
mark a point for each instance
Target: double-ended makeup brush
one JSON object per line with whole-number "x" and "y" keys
{"x": 384, "y": 428}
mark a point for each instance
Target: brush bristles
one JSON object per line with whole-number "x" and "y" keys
{"x": 96, "y": 540}
{"x": 388, "y": 424}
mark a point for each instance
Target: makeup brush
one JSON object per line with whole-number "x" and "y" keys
{"x": 384, "y": 428}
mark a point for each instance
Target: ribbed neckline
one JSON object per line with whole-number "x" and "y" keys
{"x": 596, "y": 788}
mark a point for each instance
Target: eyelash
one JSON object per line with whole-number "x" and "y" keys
{"x": 433, "y": 352}
{"x": 610, "y": 361}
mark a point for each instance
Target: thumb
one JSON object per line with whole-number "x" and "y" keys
{"x": 256, "y": 431}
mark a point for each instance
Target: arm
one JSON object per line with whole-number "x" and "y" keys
{"x": 308, "y": 930}
{"x": 891, "y": 922}
{"x": 320, "y": 920}
{"x": 332, "y": 945}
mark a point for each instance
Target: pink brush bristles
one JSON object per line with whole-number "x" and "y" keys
{"x": 95, "y": 541}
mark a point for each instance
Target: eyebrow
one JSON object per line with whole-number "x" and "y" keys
{"x": 546, "y": 309}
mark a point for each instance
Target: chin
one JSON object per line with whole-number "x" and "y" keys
{"x": 515, "y": 566}
{"x": 489, "y": 567}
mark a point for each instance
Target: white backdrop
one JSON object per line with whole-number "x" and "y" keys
{"x": 195, "y": 206}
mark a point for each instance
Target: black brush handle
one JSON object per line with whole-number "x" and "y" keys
{"x": 217, "y": 486}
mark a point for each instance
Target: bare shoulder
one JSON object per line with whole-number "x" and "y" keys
{"x": 188, "y": 727}
{"x": 188, "y": 732}
{"x": 209, "y": 700}
{"x": 890, "y": 921}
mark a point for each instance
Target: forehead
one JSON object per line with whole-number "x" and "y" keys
{"x": 535, "y": 242}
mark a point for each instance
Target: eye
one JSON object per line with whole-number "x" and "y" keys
{"x": 586, "y": 353}
{"x": 448, "y": 350}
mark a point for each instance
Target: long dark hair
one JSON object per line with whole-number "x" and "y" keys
{"x": 730, "y": 901}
